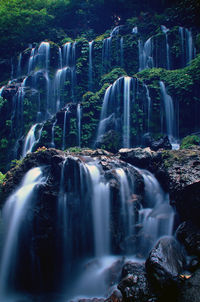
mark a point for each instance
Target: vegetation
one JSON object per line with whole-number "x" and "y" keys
{"x": 190, "y": 141}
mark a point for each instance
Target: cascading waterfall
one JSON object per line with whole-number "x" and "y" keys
{"x": 106, "y": 54}
{"x": 90, "y": 73}
{"x": 1, "y": 90}
{"x": 53, "y": 134}
{"x": 170, "y": 121}
{"x": 126, "y": 124}
{"x": 127, "y": 211}
{"x": 145, "y": 54}
{"x": 30, "y": 140}
{"x": 19, "y": 67}
{"x": 121, "y": 52}
{"x": 156, "y": 215}
{"x": 64, "y": 130}
{"x": 165, "y": 31}
{"x": 31, "y": 63}
{"x": 79, "y": 115}
{"x": 148, "y": 106}
{"x": 188, "y": 50}
{"x": 111, "y": 109}
{"x": 13, "y": 213}
{"x": 100, "y": 200}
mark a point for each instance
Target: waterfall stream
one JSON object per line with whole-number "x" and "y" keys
{"x": 13, "y": 215}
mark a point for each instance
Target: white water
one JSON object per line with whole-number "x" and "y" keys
{"x": 121, "y": 52}
{"x": 53, "y": 134}
{"x": 170, "y": 121}
{"x": 13, "y": 213}
{"x": 19, "y": 67}
{"x": 145, "y": 54}
{"x": 101, "y": 209}
{"x": 127, "y": 206}
{"x": 135, "y": 30}
{"x": 64, "y": 130}
{"x": 1, "y": 90}
{"x": 126, "y": 124}
{"x": 79, "y": 115}
{"x": 156, "y": 216}
{"x": 29, "y": 141}
{"x": 106, "y": 54}
{"x": 148, "y": 107}
{"x": 165, "y": 31}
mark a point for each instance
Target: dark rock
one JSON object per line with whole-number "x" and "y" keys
{"x": 162, "y": 143}
{"x": 134, "y": 285}
{"x": 189, "y": 235}
{"x": 164, "y": 264}
{"x": 116, "y": 296}
{"x": 189, "y": 290}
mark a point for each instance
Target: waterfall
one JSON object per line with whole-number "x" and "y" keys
{"x": 59, "y": 83}
{"x": 126, "y": 125}
{"x": 165, "y": 31}
{"x": 44, "y": 55}
{"x": 126, "y": 190}
{"x": 135, "y": 30}
{"x": 111, "y": 117}
{"x": 145, "y": 54}
{"x": 64, "y": 130}
{"x": 19, "y": 67}
{"x": 31, "y": 62}
{"x": 29, "y": 141}
{"x": 188, "y": 50}
{"x": 1, "y": 90}
{"x": 79, "y": 114}
{"x": 60, "y": 58}
{"x": 14, "y": 211}
{"x": 67, "y": 54}
{"x": 106, "y": 54}
{"x": 121, "y": 52}
{"x": 115, "y": 31}
{"x": 156, "y": 215}
{"x": 53, "y": 134}
{"x": 170, "y": 120}
{"x": 148, "y": 107}
{"x": 100, "y": 206}
{"x": 90, "y": 73}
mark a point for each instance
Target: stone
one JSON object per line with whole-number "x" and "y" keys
{"x": 134, "y": 285}
{"x": 165, "y": 263}
{"x": 189, "y": 235}
{"x": 189, "y": 290}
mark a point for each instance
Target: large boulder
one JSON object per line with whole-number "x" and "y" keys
{"x": 165, "y": 263}
{"x": 189, "y": 235}
{"x": 134, "y": 285}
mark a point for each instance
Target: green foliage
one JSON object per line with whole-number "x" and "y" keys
{"x": 2, "y": 102}
{"x": 190, "y": 141}
{"x": 112, "y": 76}
{"x": 16, "y": 163}
{"x": 2, "y": 178}
{"x": 74, "y": 149}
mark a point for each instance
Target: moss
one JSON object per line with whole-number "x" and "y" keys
{"x": 190, "y": 141}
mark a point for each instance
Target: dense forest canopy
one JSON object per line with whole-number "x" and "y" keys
{"x": 23, "y": 22}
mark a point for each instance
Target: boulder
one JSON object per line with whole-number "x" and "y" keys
{"x": 189, "y": 235}
{"x": 165, "y": 263}
{"x": 134, "y": 285}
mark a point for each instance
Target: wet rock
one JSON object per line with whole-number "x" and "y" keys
{"x": 134, "y": 285}
{"x": 116, "y": 296}
{"x": 165, "y": 263}
{"x": 155, "y": 145}
{"x": 189, "y": 235}
{"x": 189, "y": 290}
{"x": 162, "y": 143}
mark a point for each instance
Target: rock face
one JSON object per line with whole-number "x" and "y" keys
{"x": 164, "y": 264}
{"x": 134, "y": 285}
{"x": 189, "y": 235}
{"x": 178, "y": 171}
